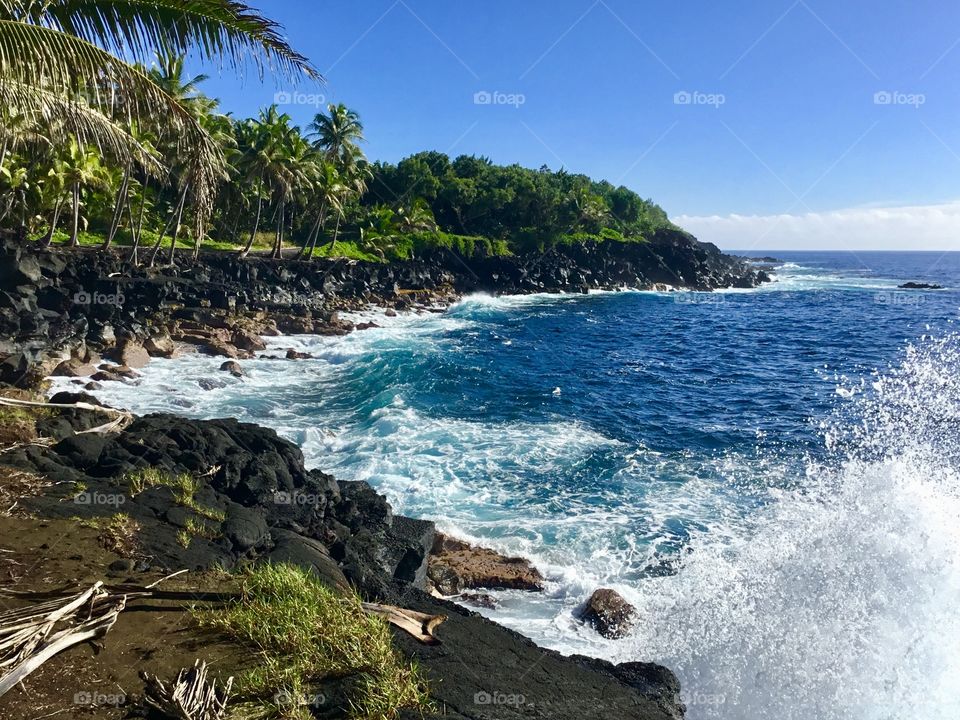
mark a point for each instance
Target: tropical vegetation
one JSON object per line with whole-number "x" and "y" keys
{"x": 106, "y": 140}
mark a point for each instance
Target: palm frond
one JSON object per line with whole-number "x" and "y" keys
{"x": 217, "y": 29}
{"x": 58, "y": 119}
{"x": 65, "y": 65}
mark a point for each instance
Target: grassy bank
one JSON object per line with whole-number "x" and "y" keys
{"x": 311, "y": 644}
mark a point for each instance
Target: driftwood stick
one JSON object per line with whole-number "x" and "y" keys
{"x": 12, "y": 402}
{"x": 419, "y": 625}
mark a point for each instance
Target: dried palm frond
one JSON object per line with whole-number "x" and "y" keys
{"x": 190, "y": 697}
{"x": 31, "y": 636}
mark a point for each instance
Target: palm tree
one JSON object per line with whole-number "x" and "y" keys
{"x": 81, "y": 170}
{"x": 337, "y": 133}
{"x": 266, "y": 143}
{"x": 417, "y": 218}
{"x": 56, "y": 48}
{"x": 328, "y": 194}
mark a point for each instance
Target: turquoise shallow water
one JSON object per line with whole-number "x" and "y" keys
{"x": 769, "y": 475}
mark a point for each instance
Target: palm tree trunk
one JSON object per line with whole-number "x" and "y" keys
{"x": 278, "y": 245}
{"x": 336, "y": 231}
{"x": 198, "y": 240}
{"x": 156, "y": 247}
{"x": 137, "y": 227}
{"x": 256, "y": 222}
{"x": 48, "y": 240}
{"x": 176, "y": 228}
{"x": 118, "y": 210}
{"x": 311, "y": 239}
{"x": 235, "y": 232}
{"x": 75, "y": 227}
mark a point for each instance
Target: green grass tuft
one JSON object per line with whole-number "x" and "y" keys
{"x": 185, "y": 488}
{"x": 117, "y": 533}
{"x": 184, "y": 539}
{"x": 304, "y": 632}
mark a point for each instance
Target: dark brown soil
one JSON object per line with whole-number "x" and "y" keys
{"x": 99, "y": 681}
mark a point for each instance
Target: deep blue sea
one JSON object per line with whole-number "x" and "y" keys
{"x": 770, "y": 476}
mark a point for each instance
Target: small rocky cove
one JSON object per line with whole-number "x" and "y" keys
{"x": 94, "y": 319}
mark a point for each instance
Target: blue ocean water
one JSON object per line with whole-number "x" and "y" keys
{"x": 770, "y": 476}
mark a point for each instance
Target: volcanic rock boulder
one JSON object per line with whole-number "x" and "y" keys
{"x": 455, "y": 566}
{"x": 609, "y": 614}
{"x": 130, "y": 353}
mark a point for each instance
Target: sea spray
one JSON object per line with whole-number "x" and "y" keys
{"x": 839, "y": 599}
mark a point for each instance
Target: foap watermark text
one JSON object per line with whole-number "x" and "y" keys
{"x": 285, "y": 97}
{"x": 893, "y": 97}
{"x": 485, "y": 97}
{"x": 685, "y": 97}
{"x": 98, "y": 298}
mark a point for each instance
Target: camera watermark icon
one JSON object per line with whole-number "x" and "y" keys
{"x": 88, "y": 697}
{"x": 286, "y": 700}
{"x": 889, "y": 97}
{"x": 285, "y": 97}
{"x": 97, "y": 298}
{"x": 281, "y": 497}
{"x": 98, "y": 498}
{"x": 698, "y": 298}
{"x": 899, "y": 298}
{"x": 485, "y": 97}
{"x": 685, "y": 97}
{"x": 499, "y": 698}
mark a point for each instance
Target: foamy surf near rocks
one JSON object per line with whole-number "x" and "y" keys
{"x": 256, "y": 502}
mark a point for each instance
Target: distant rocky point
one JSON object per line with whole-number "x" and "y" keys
{"x": 920, "y": 286}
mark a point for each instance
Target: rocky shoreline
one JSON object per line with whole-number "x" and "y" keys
{"x": 61, "y": 305}
{"x": 65, "y": 312}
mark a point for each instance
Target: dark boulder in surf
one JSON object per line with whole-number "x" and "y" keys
{"x": 609, "y": 614}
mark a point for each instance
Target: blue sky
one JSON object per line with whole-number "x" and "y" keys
{"x": 783, "y": 139}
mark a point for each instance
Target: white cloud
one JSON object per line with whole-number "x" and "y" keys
{"x": 919, "y": 227}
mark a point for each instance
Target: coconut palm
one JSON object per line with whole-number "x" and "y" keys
{"x": 264, "y": 144}
{"x": 52, "y": 49}
{"x": 81, "y": 170}
{"x": 336, "y": 133}
{"x": 328, "y": 193}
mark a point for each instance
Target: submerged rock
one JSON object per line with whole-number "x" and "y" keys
{"x": 233, "y": 368}
{"x": 297, "y": 355}
{"x": 211, "y": 384}
{"x": 609, "y": 614}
